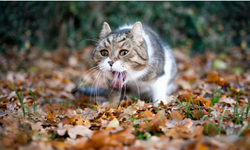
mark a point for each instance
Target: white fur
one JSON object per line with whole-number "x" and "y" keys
{"x": 117, "y": 66}
{"x": 159, "y": 88}
{"x": 105, "y": 65}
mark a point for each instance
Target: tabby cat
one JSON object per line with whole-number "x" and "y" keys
{"x": 135, "y": 62}
{"x": 134, "y": 58}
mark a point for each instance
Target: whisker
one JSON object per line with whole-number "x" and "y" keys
{"x": 138, "y": 90}
{"x": 110, "y": 92}
{"x": 94, "y": 85}
{"x": 91, "y": 70}
{"x": 93, "y": 73}
{"x": 124, "y": 91}
{"x": 88, "y": 71}
{"x": 97, "y": 84}
{"x": 95, "y": 40}
{"x": 105, "y": 78}
{"x": 83, "y": 85}
{"x": 120, "y": 92}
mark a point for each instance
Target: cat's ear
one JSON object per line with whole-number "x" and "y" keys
{"x": 105, "y": 30}
{"x": 137, "y": 31}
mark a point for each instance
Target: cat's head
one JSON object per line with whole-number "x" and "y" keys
{"x": 122, "y": 54}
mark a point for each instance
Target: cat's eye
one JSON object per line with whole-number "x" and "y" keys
{"x": 104, "y": 53}
{"x": 123, "y": 52}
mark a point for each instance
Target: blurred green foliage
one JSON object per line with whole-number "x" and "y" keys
{"x": 197, "y": 26}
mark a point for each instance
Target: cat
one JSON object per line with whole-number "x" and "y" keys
{"x": 136, "y": 62}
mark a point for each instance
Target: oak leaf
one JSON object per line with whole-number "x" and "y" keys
{"x": 158, "y": 122}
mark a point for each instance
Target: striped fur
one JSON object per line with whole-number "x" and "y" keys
{"x": 149, "y": 63}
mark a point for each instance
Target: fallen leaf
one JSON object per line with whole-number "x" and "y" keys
{"x": 51, "y": 116}
{"x": 176, "y": 115}
{"x": 79, "y": 130}
{"x": 179, "y": 132}
{"x": 158, "y": 122}
{"x": 147, "y": 114}
{"x": 89, "y": 114}
{"x": 112, "y": 124}
{"x": 59, "y": 145}
{"x": 202, "y": 147}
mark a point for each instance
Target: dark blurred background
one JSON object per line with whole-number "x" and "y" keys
{"x": 193, "y": 26}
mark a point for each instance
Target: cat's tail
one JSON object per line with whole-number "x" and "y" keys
{"x": 91, "y": 91}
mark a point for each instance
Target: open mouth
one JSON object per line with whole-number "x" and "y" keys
{"x": 118, "y": 78}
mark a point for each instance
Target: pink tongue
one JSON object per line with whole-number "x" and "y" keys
{"x": 117, "y": 80}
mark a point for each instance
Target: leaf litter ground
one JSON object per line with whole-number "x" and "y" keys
{"x": 209, "y": 108}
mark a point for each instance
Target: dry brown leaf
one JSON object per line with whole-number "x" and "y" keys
{"x": 176, "y": 115}
{"x": 202, "y": 147}
{"x": 89, "y": 114}
{"x": 125, "y": 137}
{"x": 79, "y": 130}
{"x": 129, "y": 110}
{"x": 186, "y": 125}
{"x": 199, "y": 113}
{"x": 59, "y": 145}
{"x": 37, "y": 126}
{"x": 51, "y": 116}
{"x": 209, "y": 129}
{"x": 126, "y": 103}
{"x": 70, "y": 113}
{"x": 147, "y": 114}
{"x": 113, "y": 123}
{"x": 158, "y": 122}
{"x": 140, "y": 103}
{"x": 213, "y": 77}
{"x": 111, "y": 105}
{"x": 179, "y": 132}
{"x": 61, "y": 129}
{"x": 69, "y": 120}
{"x": 165, "y": 106}
{"x": 98, "y": 140}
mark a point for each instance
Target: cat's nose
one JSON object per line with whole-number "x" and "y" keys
{"x": 111, "y": 63}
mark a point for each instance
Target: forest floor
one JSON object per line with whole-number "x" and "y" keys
{"x": 208, "y": 110}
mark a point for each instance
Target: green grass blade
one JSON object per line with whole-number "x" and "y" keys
{"x": 20, "y": 100}
{"x": 34, "y": 103}
{"x": 236, "y": 114}
{"x": 247, "y": 112}
{"x": 199, "y": 107}
{"x": 188, "y": 111}
{"x": 248, "y": 126}
{"x": 212, "y": 125}
{"x": 221, "y": 119}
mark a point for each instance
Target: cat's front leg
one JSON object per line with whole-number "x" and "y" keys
{"x": 159, "y": 90}
{"x": 114, "y": 96}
